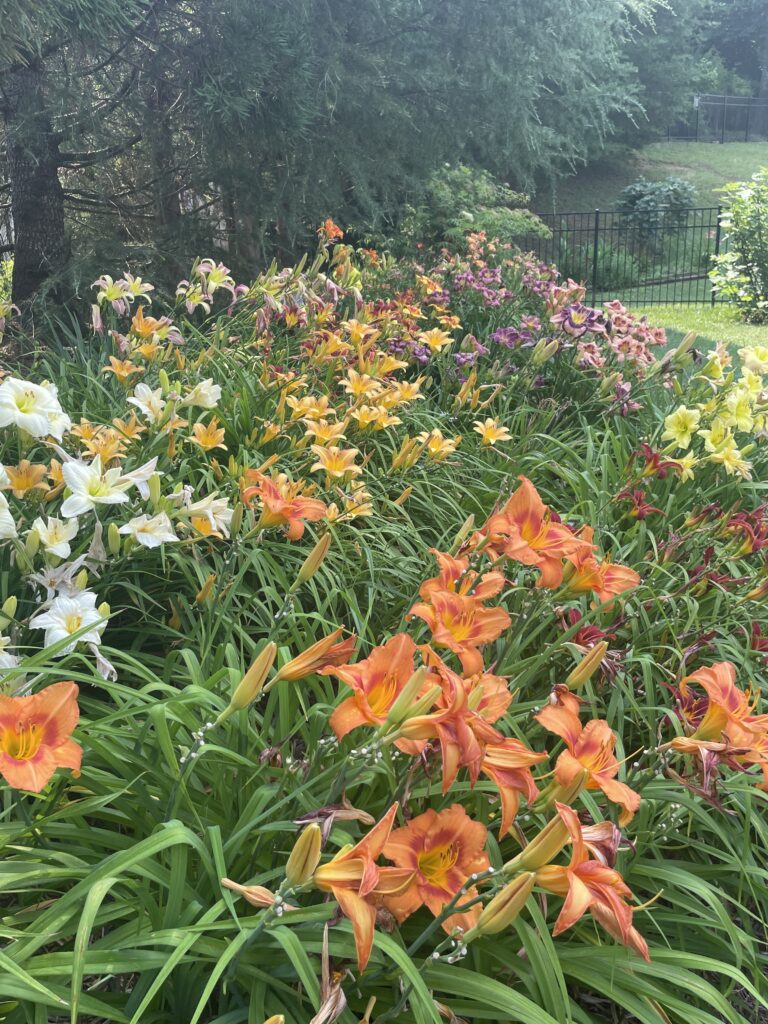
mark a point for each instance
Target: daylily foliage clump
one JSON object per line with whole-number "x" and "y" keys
{"x": 383, "y": 641}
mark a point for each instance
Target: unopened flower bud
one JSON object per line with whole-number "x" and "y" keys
{"x": 164, "y": 380}
{"x": 405, "y": 700}
{"x": 81, "y": 580}
{"x": 8, "y": 611}
{"x": 237, "y": 519}
{"x": 305, "y": 856}
{"x": 113, "y": 539}
{"x": 256, "y": 895}
{"x": 205, "y": 591}
{"x": 32, "y": 543}
{"x": 504, "y": 907}
{"x": 276, "y": 1018}
{"x": 104, "y": 609}
{"x": 250, "y": 686}
{"x": 541, "y": 849}
{"x": 154, "y": 488}
{"x": 588, "y": 665}
{"x": 313, "y": 561}
{"x": 466, "y": 528}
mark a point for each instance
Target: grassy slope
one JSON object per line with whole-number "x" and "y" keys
{"x": 708, "y": 165}
{"x": 711, "y": 325}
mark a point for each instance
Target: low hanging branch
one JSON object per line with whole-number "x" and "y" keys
{"x": 99, "y": 155}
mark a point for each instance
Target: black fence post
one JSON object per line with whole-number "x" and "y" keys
{"x": 717, "y": 250}
{"x": 594, "y": 256}
{"x": 746, "y": 130}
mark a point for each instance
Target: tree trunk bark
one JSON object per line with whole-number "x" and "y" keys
{"x": 41, "y": 246}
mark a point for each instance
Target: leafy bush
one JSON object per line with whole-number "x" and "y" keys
{"x": 741, "y": 273}
{"x": 461, "y": 200}
{"x": 653, "y": 208}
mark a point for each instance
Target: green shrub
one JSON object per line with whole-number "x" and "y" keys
{"x": 741, "y": 273}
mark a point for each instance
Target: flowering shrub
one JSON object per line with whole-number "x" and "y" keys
{"x": 382, "y": 641}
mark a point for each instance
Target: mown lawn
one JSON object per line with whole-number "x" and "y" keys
{"x": 708, "y": 165}
{"x": 712, "y": 324}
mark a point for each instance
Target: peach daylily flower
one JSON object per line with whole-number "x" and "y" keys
{"x": 123, "y": 369}
{"x": 208, "y": 435}
{"x": 376, "y": 682}
{"x": 462, "y": 625}
{"x": 728, "y": 721}
{"x": 590, "y": 885}
{"x": 337, "y": 463}
{"x": 508, "y": 765}
{"x": 525, "y": 531}
{"x": 456, "y": 577}
{"x": 441, "y": 850}
{"x": 35, "y": 736}
{"x": 359, "y": 885}
{"x": 605, "y": 579}
{"x": 589, "y": 754}
{"x": 282, "y": 504}
{"x": 27, "y": 476}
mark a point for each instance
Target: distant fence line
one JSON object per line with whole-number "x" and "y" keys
{"x": 715, "y": 118}
{"x": 651, "y": 257}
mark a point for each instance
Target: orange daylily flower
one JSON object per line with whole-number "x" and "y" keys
{"x": 456, "y": 577}
{"x": 728, "y": 720}
{"x": 123, "y": 369}
{"x": 282, "y": 504}
{"x": 35, "y": 736}
{"x": 525, "y": 531}
{"x": 441, "y": 850}
{"x": 329, "y": 230}
{"x": 589, "y": 754}
{"x": 590, "y": 885}
{"x": 358, "y": 884}
{"x": 27, "y": 476}
{"x": 56, "y": 477}
{"x": 605, "y": 579}
{"x": 462, "y": 625}
{"x": 376, "y": 682}
{"x": 508, "y": 765}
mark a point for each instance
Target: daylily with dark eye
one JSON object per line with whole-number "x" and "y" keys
{"x": 359, "y": 885}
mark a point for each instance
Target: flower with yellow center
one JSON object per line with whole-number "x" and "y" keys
{"x": 324, "y": 432}
{"x": 738, "y": 405}
{"x": 685, "y": 465}
{"x": 731, "y": 459}
{"x": 107, "y": 443}
{"x": 381, "y": 364}
{"x": 357, "y": 504}
{"x": 129, "y": 428}
{"x": 435, "y": 340}
{"x": 359, "y": 332}
{"x": 401, "y": 392}
{"x": 375, "y": 416}
{"x": 754, "y": 358}
{"x": 337, "y": 463}
{"x": 751, "y": 382}
{"x": 717, "y": 435}
{"x": 361, "y": 385}
{"x": 148, "y": 350}
{"x": 208, "y": 436}
{"x": 26, "y": 477}
{"x": 123, "y": 369}
{"x": 85, "y": 430}
{"x": 437, "y": 446}
{"x": 680, "y": 426}
{"x": 270, "y": 431}
{"x": 490, "y": 432}
{"x": 312, "y": 407}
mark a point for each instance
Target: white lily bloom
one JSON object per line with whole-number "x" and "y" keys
{"x": 55, "y": 535}
{"x": 215, "y": 510}
{"x": 32, "y": 407}
{"x": 140, "y": 477}
{"x": 59, "y": 579}
{"x": 66, "y": 615}
{"x": 150, "y": 403}
{"x": 5, "y": 480}
{"x": 7, "y": 523}
{"x": 205, "y": 394}
{"x": 150, "y": 533}
{"x": 91, "y": 486}
{"x": 7, "y": 661}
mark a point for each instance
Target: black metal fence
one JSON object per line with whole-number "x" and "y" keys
{"x": 723, "y": 119}
{"x": 653, "y": 257}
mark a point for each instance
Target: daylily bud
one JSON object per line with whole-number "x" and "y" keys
{"x": 758, "y": 593}
{"x": 313, "y": 561}
{"x": 475, "y": 697}
{"x": 164, "y": 380}
{"x": 256, "y": 895}
{"x": 113, "y": 539}
{"x": 205, "y": 591}
{"x": 328, "y": 651}
{"x": 555, "y": 793}
{"x": 541, "y": 849}
{"x": 588, "y": 665}
{"x": 422, "y": 707}
{"x": 683, "y": 348}
{"x": 466, "y": 528}
{"x": 32, "y": 543}
{"x": 405, "y": 700}
{"x": 237, "y": 519}
{"x": 104, "y": 609}
{"x": 9, "y": 607}
{"x": 403, "y": 496}
{"x": 276, "y": 1018}
{"x": 305, "y": 856}
{"x": 81, "y": 580}
{"x": 251, "y": 684}
{"x": 543, "y": 350}
{"x": 232, "y": 465}
{"x": 154, "y": 488}
{"x": 504, "y": 907}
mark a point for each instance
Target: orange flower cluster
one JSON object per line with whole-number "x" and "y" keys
{"x": 525, "y": 530}
{"x": 282, "y": 504}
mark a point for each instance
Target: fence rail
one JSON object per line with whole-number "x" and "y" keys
{"x": 654, "y": 257}
{"x": 723, "y": 119}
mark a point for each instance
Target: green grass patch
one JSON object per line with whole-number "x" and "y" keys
{"x": 711, "y": 324}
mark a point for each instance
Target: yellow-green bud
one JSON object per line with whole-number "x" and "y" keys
{"x": 250, "y": 686}
{"x": 502, "y": 910}
{"x": 237, "y": 519}
{"x": 313, "y": 561}
{"x": 81, "y": 580}
{"x": 588, "y": 665}
{"x": 32, "y": 544}
{"x": 154, "y": 488}
{"x": 401, "y": 709}
{"x": 541, "y": 849}
{"x": 113, "y": 539}
{"x": 165, "y": 382}
{"x": 104, "y": 610}
{"x": 305, "y": 856}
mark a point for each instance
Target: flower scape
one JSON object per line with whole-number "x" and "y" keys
{"x": 383, "y": 641}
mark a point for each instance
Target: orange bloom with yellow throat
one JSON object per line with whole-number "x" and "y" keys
{"x": 359, "y": 885}
{"x": 282, "y": 504}
{"x": 461, "y": 624}
{"x": 442, "y": 850}
{"x": 35, "y": 736}
{"x": 526, "y": 531}
{"x": 589, "y": 754}
{"x": 605, "y": 579}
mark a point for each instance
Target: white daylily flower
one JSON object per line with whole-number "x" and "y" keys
{"x": 55, "y": 535}
{"x": 91, "y": 486}
{"x": 140, "y": 477}
{"x": 150, "y": 533}
{"x": 60, "y": 579}
{"x": 150, "y": 403}
{"x": 68, "y": 614}
{"x": 5, "y": 480}
{"x": 32, "y": 407}
{"x": 7, "y": 524}
{"x": 204, "y": 394}
{"x": 215, "y": 510}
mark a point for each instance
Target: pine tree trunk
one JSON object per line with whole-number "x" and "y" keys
{"x": 41, "y": 246}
